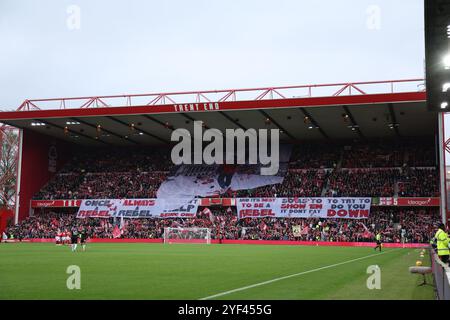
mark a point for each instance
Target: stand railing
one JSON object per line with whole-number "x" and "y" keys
{"x": 441, "y": 274}
{"x": 264, "y": 93}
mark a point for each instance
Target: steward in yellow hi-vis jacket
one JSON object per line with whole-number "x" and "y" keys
{"x": 442, "y": 242}
{"x": 378, "y": 241}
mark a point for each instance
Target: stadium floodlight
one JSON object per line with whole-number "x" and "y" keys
{"x": 393, "y": 125}
{"x": 37, "y": 124}
{"x": 444, "y": 105}
{"x": 446, "y": 61}
{"x": 448, "y": 31}
{"x": 445, "y": 87}
{"x": 187, "y": 235}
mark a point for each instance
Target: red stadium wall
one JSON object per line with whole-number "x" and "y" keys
{"x": 40, "y": 154}
{"x": 5, "y": 216}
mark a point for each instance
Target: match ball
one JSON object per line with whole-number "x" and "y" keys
{"x": 418, "y": 263}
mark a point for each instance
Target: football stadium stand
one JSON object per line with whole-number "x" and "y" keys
{"x": 362, "y": 159}
{"x": 366, "y": 170}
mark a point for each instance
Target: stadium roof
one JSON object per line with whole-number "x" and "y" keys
{"x": 364, "y": 110}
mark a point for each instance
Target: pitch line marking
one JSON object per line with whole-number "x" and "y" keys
{"x": 293, "y": 275}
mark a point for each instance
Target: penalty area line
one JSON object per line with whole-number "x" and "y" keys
{"x": 294, "y": 275}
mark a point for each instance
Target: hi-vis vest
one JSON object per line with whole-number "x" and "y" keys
{"x": 442, "y": 242}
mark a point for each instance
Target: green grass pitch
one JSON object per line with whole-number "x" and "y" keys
{"x": 183, "y": 271}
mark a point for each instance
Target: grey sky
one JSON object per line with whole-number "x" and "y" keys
{"x": 156, "y": 46}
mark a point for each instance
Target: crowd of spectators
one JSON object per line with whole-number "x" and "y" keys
{"x": 315, "y": 156}
{"x": 372, "y": 156}
{"x": 409, "y": 153}
{"x": 363, "y": 183}
{"x": 421, "y": 155}
{"x": 62, "y": 186}
{"x": 103, "y": 185}
{"x": 395, "y": 224}
{"x": 370, "y": 169}
{"x": 419, "y": 182}
{"x": 406, "y": 169}
{"x": 120, "y": 160}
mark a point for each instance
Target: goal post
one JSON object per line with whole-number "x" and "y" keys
{"x": 187, "y": 235}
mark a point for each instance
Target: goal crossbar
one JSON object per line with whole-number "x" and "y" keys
{"x": 187, "y": 235}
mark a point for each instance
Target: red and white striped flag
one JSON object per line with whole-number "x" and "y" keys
{"x": 305, "y": 230}
{"x": 116, "y": 232}
{"x": 208, "y": 212}
{"x": 263, "y": 226}
{"x": 123, "y": 225}
{"x": 175, "y": 224}
{"x": 364, "y": 226}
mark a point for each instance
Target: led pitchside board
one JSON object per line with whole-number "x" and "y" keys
{"x": 437, "y": 54}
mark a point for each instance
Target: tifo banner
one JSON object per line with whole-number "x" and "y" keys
{"x": 212, "y": 180}
{"x": 349, "y": 208}
{"x": 136, "y": 208}
{"x": 189, "y": 181}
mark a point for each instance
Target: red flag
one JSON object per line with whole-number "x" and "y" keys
{"x": 208, "y": 212}
{"x": 116, "y": 232}
{"x": 263, "y": 226}
{"x": 367, "y": 234}
{"x": 175, "y": 224}
{"x": 364, "y": 226}
{"x": 305, "y": 230}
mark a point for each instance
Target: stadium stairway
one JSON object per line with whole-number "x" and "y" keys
{"x": 327, "y": 182}
{"x": 396, "y": 189}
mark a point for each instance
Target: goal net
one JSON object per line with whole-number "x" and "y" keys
{"x": 187, "y": 235}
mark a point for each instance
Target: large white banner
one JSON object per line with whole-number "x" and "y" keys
{"x": 136, "y": 208}
{"x": 349, "y": 208}
{"x": 211, "y": 180}
{"x": 200, "y": 180}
